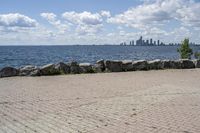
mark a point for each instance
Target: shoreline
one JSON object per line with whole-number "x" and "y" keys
{"x": 104, "y": 73}
{"x": 101, "y": 66}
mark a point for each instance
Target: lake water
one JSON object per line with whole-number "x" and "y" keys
{"x": 17, "y": 56}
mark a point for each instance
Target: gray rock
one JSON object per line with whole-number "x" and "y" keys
{"x": 29, "y": 71}
{"x": 196, "y": 63}
{"x": 86, "y": 68}
{"x": 155, "y": 64}
{"x": 74, "y": 67}
{"x": 187, "y": 64}
{"x": 35, "y": 72}
{"x": 62, "y": 68}
{"x": 8, "y": 72}
{"x": 49, "y": 69}
{"x": 99, "y": 66}
{"x": 166, "y": 64}
{"x": 113, "y": 66}
{"x": 127, "y": 65}
{"x": 175, "y": 64}
{"x": 140, "y": 65}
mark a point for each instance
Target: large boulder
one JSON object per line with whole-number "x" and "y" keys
{"x": 175, "y": 64}
{"x": 127, "y": 65}
{"x": 196, "y": 63}
{"x": 29, "y": 71}
{"x": 155, "y": 64}
{"x": 8, "y": 72}
{"x": 86, "y": 68}
{"x": 74, "y": 67}
{"x": 166, "y": 64}
{"x": 113, "y": 65}
{"x": 187, "y": 64}
{"x": 35, "y": 72}
{"x": 62, "y": 68}
{"x": 49, "y": 69}
{"x": 99, "y": 66}
{"x": 140, "y": 65}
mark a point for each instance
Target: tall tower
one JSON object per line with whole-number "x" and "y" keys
{"x": 151, "y": 41}
{"x": 141, "y": 42}
{"x": 147, "y": 42}
{"x": 154, "y": 43}
{"x": 158, "y": 43}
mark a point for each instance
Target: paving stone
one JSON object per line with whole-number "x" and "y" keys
{"x": 159, "y": 105}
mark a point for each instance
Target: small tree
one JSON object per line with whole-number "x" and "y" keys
{"x": 185, "y": 50}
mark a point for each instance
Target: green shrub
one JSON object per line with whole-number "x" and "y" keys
{"x": 185, "y": 50}
{"x": 197, "y": 55}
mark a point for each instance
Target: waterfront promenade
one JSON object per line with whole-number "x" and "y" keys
{"x": 163, "y": 101}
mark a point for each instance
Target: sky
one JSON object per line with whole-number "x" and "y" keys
{"x": 86, "y": 22}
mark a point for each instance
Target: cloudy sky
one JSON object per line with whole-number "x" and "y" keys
{"x": 64, "y": 22}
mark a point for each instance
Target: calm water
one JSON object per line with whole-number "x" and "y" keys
{"x": 39, "y": 55}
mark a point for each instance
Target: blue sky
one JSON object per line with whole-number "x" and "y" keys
{"x": 63, "y": 22}
{"x": 31, "y": 7}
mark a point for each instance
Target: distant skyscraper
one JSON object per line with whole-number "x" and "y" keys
{"x": 147, "y": 42}
{"x": 151, "y": 41}
{"x": 158, "y": 43}
{"x": 139, "y": 42}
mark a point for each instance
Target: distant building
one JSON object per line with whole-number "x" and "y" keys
{"x": 139, "y": 42}
{"x": 158, "y": 43}
{"x": 133, "y": 42}
{"x": 147, "y": 42}
{"x": 154, "y": 43}
{"x": 151, "y": 41}
{"x": 162, "y": 44}
{"x": 143, "y": 43}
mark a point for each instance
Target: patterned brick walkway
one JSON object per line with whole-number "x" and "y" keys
{"x": 136, "y": 102}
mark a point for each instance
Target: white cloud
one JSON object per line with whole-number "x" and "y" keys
{"x": 85, "y": 22}
{"x": 141, "y": 16}
{"x": 190, "y": 15}
{"x": 83, "y": 18}
{"x": 179, "y": 34}
{"x": 152, "y": 14}
{"x": 105, "y": 14}
{"x": 52, "y": 19}
{"x": 49, "y": 16}
{"x": 16, "y": 20}
{"x": 88, "y": 29}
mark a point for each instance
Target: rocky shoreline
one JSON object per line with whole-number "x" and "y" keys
{"x": 100, "y": 66}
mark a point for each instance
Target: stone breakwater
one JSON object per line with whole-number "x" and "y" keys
{"x": 100, "y": 66}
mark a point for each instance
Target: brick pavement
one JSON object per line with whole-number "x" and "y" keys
{"x": 136, "y": 102}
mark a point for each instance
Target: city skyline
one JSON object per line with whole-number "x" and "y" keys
{"x": 150, "y": 42}
{"x": 100, "y": 22}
